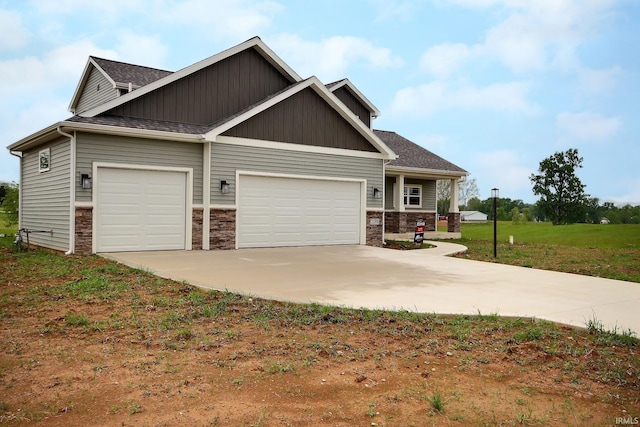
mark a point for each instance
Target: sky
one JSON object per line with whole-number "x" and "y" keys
{"x": 494, "y": 86}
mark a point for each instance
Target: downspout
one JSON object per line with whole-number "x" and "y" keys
{"x": 72, "y": 192}
{"x": 18, "y": 154}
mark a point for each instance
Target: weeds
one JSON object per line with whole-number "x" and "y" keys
{"x": 437, "y": 402}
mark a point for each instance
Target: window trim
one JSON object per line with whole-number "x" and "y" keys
{"x": 44, "y": 160}
{"x": 407, "y": 196}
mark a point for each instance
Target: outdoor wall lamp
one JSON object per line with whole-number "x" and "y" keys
{"x": 224, "y": 187}
{"x": 85, "y": 180}
{"x": 377, "y": 193}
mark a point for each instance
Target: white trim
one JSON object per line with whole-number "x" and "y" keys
{"x": 206, "y": 195}
{"x": 376, "y": 210}
{"x": 247, "y": 142}
{"x": 188, "y": 203}
{"x": 83, "y": 205}
{"x": 219, "y": 207}
{"x": 363, "y": 194}
{"x": 424, "y": 173}
{"x": 328, "y": 96}
{"x": 255, "y": 42}
{"x": 407, "y": 196}
{"x": 83, "y": 81}
{"x": 44, "y": 153}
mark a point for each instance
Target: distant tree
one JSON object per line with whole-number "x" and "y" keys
{"x": 467, "y": 190}
{"x": 3, "y": 192}
{"x": 10, "y": 203}
{"x": 443, "y": 193}
{"x": 562, "y": 193}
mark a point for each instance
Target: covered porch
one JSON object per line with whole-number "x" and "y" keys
{"x": 410, "y": 197}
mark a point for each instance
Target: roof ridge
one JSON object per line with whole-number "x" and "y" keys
{"x": 129, "y": 64}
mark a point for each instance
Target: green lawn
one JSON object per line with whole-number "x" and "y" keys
{"x": 577, "y": 235}
{"x": 9, "y": 232}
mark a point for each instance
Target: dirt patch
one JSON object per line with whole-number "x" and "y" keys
{"x": 87, "y": 342}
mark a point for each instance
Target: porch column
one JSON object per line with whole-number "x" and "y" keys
{"x": 453, "y": 220}
{"x": 399, "y": 202}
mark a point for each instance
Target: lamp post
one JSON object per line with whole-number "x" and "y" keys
{"x": 495, "y": 193}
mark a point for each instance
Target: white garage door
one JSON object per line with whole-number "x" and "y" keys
{"x": 140, "y": 210}
{"x": 297, "y": 212}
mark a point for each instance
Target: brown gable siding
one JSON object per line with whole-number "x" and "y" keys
{"x": 347, "y": 98}
{"x": 304, "y": 118}
{"x": 210, "y": 94}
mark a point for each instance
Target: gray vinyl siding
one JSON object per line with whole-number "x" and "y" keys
{"x": 137, "y": 151}
{"x": 46, "y": 196}
{"x": 227, "y": 158}
{"x": 92, "y": 96}
{"x": 428, "y": 193}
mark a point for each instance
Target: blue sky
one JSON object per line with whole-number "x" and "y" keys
{"x": 494, "y": 86}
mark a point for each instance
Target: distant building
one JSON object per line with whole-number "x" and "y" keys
{"x": 604, "y": 221}
{"x": 473, "y": 216}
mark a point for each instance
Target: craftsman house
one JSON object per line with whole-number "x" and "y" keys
{"x": 235, "y": 151}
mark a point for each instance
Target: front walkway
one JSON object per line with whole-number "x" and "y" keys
{"x": 418, "y": 280}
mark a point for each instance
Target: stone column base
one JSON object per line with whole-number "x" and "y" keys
{"x": 222, "y": 229}
{"x": 453, "y": 222}
{"x": 84, "y": 231}
{"x": 374, "y": 228}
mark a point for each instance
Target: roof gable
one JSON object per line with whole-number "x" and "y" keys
{"x": 255, "y": 43}
{"x": 320, "y": 93}
{"x": 351, "y": 88}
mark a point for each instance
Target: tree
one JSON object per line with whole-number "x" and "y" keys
{"x": 563, "y": 199}
{"x": 443, "y": 193}
{"x": 467, "y": 190}
{"x": 10, "y": 203}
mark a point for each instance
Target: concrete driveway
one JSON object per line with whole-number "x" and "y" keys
{"x": 423, "y": 281}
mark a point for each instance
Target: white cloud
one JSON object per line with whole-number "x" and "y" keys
{"x": 238, "y": 20}
{"x": 599, "y": 81}
{"x": 330, "y": 58}
{"x": 141, "y": 49}
{"x": 444, "y": 59}
{"x": 388, "y": 10}
{"x": 586, "y": 127}
{"x": 503, "y": 169}
{"x": 428, "y": 98}
{"x": 13, "y": 34}
{"x": 632, "y": 195}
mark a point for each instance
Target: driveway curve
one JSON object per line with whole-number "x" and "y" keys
{"x": 419, "y": 280}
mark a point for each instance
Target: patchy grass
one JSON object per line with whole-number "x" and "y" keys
{"x": 87, "y": 339}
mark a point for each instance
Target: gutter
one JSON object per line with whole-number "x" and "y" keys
{"x": 72, "y": 191}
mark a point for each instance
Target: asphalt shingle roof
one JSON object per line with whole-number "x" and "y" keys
{"x": 411, "y": 155}
{"x": 146, "y": 124}
{"x": 122, "y": 72}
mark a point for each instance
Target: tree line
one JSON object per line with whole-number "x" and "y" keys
{"x": 563, "y": 199}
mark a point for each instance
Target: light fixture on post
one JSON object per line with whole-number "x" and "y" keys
{"x": 377, "y": 193}
{"x": 224, "y": 187}
{"x": 495, "y": 194}
{"x": 85, "y": 180}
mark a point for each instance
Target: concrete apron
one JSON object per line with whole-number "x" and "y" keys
{"x": 420, "y": 280}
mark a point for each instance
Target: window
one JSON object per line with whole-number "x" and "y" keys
{"x": 413, "y": 196}
{"x": 44, "y": 163}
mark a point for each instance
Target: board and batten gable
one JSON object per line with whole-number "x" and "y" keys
{"x": 304, "y": 118}
{"x": 97, "y": 91}
{"x": 46, "y": 195}
{"x": 429, "y": 202}
{"x": 211, "y": 94}
{"x": 354, "y": 104}
{"x": 226, "y": 159}
{"x": 101, "y": 148}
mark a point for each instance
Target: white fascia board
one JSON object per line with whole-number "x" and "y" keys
{"x": 83, "y": 81}
{"x": 314, "y": 83}
{"x": 424, "y": 173}
{"x": 251, "y": 43}
{"x": 346, "y": 82}
{"x": 247, "y": 142}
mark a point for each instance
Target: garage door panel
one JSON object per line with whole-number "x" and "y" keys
{"x": 297, "y": 212}
{"x": 140, "y": 210}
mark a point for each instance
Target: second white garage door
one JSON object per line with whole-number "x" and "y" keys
{"x": 140, "y": 210}
{"x": 275, "y": 211}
